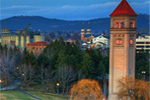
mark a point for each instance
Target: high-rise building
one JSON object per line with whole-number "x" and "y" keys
{"x": 143, "y": 43}
{"x": 122, "y": 46}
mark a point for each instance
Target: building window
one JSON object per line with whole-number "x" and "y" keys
{"x": 119, "y": 24}
{"x": 140, "y": 43}
{"x": 147, "y": 46}
{"x": 147, "y": 42}
{"x": 116, "y": 24}
{"x": 122, "y": 24}
{"x": 132, "y": 24}
{"x": 140, "y": 46}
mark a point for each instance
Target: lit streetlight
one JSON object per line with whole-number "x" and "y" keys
{"x": 144, "y": 72}
{"x": 57, "y": 87}
{"x": 1, "y": 82}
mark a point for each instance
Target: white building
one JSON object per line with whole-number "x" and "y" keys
{"x": 143, "y": 43}
{"x": 104, "y": 40}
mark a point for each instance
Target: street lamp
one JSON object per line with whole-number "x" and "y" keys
{"x": 57, "y": 87}
{"x": 144, "y": 72}
{"x": 1, "y": 81}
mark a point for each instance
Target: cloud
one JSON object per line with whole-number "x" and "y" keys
{"x": 140, "y": 4}
{"x": 70, "y": 12}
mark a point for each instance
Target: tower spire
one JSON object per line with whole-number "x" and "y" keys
{"x": 82, "y": 30}
{"x": 88, "y": 30}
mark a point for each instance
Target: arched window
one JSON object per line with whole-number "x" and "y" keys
{"x": 132, "y": 24}
{"x": 122, "y": 24}
{"x": 116, "y": 24}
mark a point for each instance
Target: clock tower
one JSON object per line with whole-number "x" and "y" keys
{"x": 122, "y": 46}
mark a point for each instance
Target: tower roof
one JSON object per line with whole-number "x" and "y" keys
{"x": 123, "y": 9}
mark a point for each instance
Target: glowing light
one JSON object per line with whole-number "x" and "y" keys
{"x": 118, "y": 41}
{"x": 57, "y": 84}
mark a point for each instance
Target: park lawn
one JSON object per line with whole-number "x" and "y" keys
{"x": 48, "y": 96}
{"x": 2, "y": 97}
{"x": 15, "y": 95}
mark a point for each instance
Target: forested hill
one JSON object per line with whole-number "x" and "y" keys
{"x": 45, "y": 24}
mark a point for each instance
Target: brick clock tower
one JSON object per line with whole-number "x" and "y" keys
{"x": 122, "y": 46}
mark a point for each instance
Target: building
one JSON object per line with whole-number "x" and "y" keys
{"x": 86, "y": 37}
{"x": 143, "y": 43}
{"x": 36, "y": 47}
{"x": 102, "y": 41}
{"x": 38, "y": 38}
{"x": 122, "y": 46}
{"x": 13, "y": 38}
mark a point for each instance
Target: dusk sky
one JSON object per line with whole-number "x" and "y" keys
{"x": 67, "y": 9}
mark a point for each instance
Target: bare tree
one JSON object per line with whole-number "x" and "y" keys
{"x": 25, "y": 73}
{"x": 65, "y": 76}
{"x": 7, "y": 65}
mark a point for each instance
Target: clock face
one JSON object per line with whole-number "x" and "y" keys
{"x": 131, "y": 41}
{"x": 118, "y": 41}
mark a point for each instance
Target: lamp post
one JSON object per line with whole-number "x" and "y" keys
{"x": 0, "y": 83}
{"x": 23, "y": 79}
{"x": 57, "y": 87}
{"x": 144, "y": 72}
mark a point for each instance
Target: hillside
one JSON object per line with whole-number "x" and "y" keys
{"x": 45, "y": 24}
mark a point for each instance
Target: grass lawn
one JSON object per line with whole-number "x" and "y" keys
{"x": 15, "y": 95}
{"x": 48, "y": 96}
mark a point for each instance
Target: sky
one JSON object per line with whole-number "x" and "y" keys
{"x": 67, "y": 9}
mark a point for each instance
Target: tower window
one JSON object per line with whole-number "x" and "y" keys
{"x": 132, "y": 24}
{"x": 116, "y": 25}
{"x": 122, "y": 24}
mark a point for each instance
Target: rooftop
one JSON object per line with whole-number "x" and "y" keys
{"x": 43, "y": 43}
{"x": 123, "y": 9}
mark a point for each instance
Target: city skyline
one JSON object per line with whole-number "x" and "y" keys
{"x": 67, "y": 9}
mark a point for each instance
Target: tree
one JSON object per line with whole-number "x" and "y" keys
{"x": 133, "y": 89}
{"x": 142, "y": 64}
{"x": 95, "y": 64}
{"x": 65, "y": 76}
{"x": 26, "y": 74}
{"x": 8, "y": 62}
{"x": 86, "y": 89}
{"x": 87, "y": 66}
{"x": 29, "y": 59}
